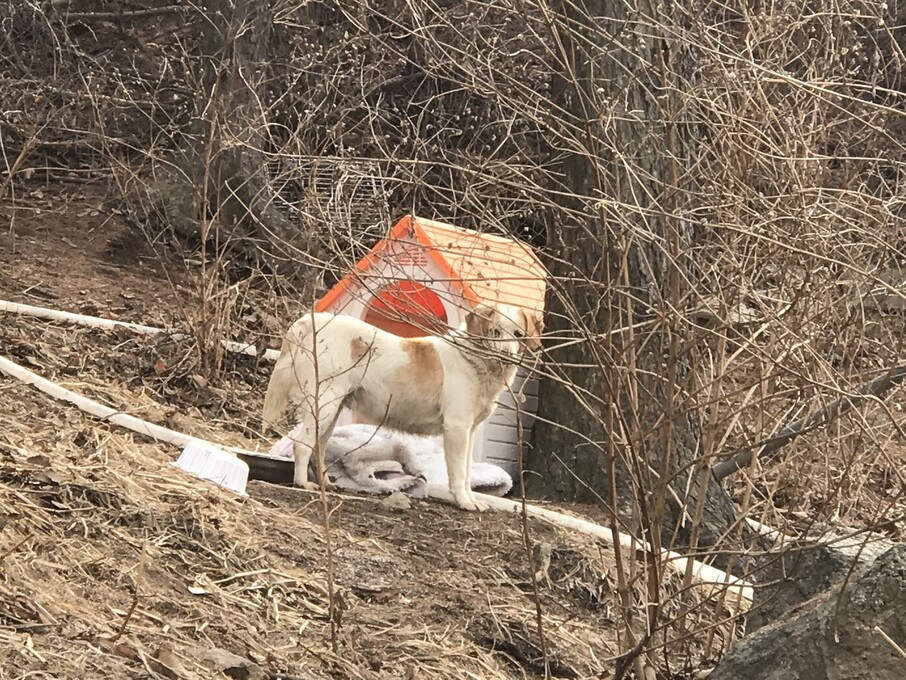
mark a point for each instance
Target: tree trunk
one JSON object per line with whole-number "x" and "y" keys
{"x": 219, "y": 189}
{"x": 619, "y": 257}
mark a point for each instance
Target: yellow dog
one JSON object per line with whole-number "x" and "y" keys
{"x": 441, "y": 385}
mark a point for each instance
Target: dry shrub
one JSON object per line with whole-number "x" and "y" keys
{"x": 786, "y": 204}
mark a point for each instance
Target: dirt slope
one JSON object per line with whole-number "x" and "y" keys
{"x": 115, "y": 564}
{"x": 95, "y": 522}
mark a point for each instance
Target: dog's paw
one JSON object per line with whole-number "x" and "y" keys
{"x": 481, "y": 506}
{"x": 472, "y": 505}
{"x": 314, "y": 486}
{"x": 308, "y": 486}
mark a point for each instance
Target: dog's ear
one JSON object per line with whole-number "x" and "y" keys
{"x": 525, "y": 322}
{"x": 480, "y": 320}
{"x": 533, "y": 324}
{"x": 538, "y": 318}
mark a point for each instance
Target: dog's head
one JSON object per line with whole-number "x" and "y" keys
{"x": 514, "y": 328}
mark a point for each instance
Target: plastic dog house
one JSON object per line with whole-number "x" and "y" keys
{"x": 424, "y": 277}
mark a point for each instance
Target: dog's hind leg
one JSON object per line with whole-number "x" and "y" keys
{"x": 327, "y": 421}
{"x": 456, "y": 455}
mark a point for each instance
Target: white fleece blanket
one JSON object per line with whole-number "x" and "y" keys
{"x": 377, "y": 460}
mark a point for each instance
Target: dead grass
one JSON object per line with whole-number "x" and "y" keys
{"x": 98, "y": 524}
{"x": 93, "y": 514}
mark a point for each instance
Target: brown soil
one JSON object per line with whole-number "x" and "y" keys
{"x": 65, "y": 248}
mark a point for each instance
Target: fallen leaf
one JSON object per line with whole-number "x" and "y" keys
{"x": 48, "y": 477}
{"x": 120, "y": 649}
{"x": 397, "y": 501}
{"x": 230, "y": 664}
{"x": 169, "y": 663}
{"x": 160, "y": 366}
{"x": 31, "y": 361}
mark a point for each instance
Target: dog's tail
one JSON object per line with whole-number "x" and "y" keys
{"x": 282, "y": 377}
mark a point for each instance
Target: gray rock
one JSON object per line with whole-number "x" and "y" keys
{"x": 806, "y": 568}
{"x": 836, "y": 635}
{"x": 397, "y": 501}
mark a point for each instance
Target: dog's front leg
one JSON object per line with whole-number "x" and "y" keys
{"x": 456, "y": 455}
{"x": 328, "y": 485}
{"x": 328, "y": 422}
{"x": 307, "y": 443}
{"x": 303, "y": 446}
{"x": 302, "y": 457}
{"x": 467, "y": 472}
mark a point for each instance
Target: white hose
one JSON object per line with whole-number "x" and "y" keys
{"x": 705, "y": 573}
{"x": 110, "y": 324}
{"x": 104, "y": 412}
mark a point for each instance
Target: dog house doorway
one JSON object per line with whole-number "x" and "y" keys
{"x": 407, "y": 309}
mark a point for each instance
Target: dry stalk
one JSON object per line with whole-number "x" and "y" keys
{"x": 890, "y": 641}
{"x": 14, "y": 548}
{"x": 873, "y": 389}
{"x": 333, "y": 609}
{"x": 535, "y": 576}
{"x": 205, "y": 328}
{"x": 709, "y": 433}
{"x": 11, "y": 170}
{"x": 137, "y": 582}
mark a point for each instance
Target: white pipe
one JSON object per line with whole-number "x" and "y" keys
{"x": 705, "y": 573}
{"x": 766, "y": 531}
{"x": 104, "y": 412}
{"x": 110, "y": 324}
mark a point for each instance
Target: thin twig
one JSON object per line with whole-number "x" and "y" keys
{"x": 129, "y": 13}
{"x": 899, "y": 650}
{"x": 139, "y": 573}
{"x": 876, "y": 388}
{"x": 333, "y": 610}
{"x": 14, "y": 548}
{"x": 14, "y": 168}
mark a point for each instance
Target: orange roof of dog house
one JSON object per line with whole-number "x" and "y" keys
{"x": 425, "y": 275}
